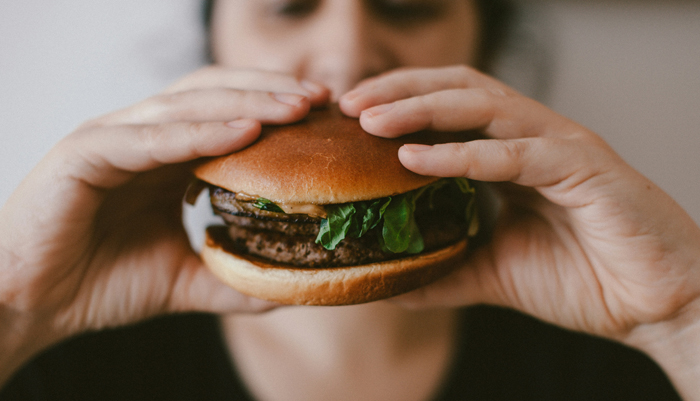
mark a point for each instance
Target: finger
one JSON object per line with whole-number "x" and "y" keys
{"x": 253, "y": 80}
{"x": 81, "y": 167}
{"x": 497, "y": 113}
{"x": 196, "y": 289}
{"x": 451, "y": 110}
{"x": 473, "y": 283}
{"x": 219, "y": 104}
{"x": 107, "y": 157}
{"x": 559, "y": 164}
{"x": 507, "y": 271}
{"x": 406, "y": 83}
{"x": 512, "y": 271}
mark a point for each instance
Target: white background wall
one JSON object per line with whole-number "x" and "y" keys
{"x": 630, "y": 70}
{"x": 63, "y": 62}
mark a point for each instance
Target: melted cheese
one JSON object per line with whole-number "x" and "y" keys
{"x": 289, "y": 208}
{"x": 303, "y": 208}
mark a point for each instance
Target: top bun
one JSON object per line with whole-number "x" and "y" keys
{"x": 326, "y": 158}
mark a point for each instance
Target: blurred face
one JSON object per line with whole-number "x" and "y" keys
{"x": 340, "y": 42}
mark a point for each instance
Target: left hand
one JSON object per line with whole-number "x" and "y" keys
{"x": 584, "y": 241}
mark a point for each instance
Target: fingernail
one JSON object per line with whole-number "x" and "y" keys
{"x": 312, "y": 87}
{"x": 288, "y": 98}
{"x": 378, "y": 110}
{"x": 239, "y": 124}
{"x": 416, "y": 147}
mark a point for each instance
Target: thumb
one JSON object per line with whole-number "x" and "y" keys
{"x": 197, "y": 289}
{"x": 474, "y": 282}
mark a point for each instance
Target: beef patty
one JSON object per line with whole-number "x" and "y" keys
{"x": 291, "y": 238}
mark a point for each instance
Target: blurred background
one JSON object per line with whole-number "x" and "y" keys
{"x": 629, "y": 70}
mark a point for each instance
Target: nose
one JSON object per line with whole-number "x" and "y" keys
{"x": 346, "y": 47}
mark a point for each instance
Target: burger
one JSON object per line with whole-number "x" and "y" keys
{"x": 322, "y": 213}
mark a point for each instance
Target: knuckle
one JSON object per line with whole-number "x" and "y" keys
{"x": 180, "y": 138}
{"x": 153, "y": 138}
{"x": 157, "y": 107}
{"x": 487, "y": 101}
{"x": 227, "y": 93}
{"x": 186, "y": 82}
{"x": 463, "y": 152}
{"x": 76, "y": 139}
{"x": 192, "y": 129}
{"x": 396, "y": 77}
{"x": 463, "y": 73}
{"x": 461, "y": 69}
{"x": 423, "y": 109}
{"x": 192, "y": 132}
{"x": 498, "y": 92}
{"x": 89, "y": 124}
{"x": 514, "y": 152}
{"x": 246, "y": 78}
{"x": 483, "y": 95}
{"x": 401, "y": 71}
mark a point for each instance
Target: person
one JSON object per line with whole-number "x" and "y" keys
{"x": 92, "y": 239}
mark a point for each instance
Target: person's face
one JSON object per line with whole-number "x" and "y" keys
{"x": 340, "y": 42}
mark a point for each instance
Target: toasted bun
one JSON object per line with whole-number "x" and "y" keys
{"x": 325, "y": 286}
{"x": 326, "y": 158}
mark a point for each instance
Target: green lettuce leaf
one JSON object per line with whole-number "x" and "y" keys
{"x": 266, "y": 204}
{"x": 470, "y": 212}
{"x": 400, "y": 232}
{"x": 395, "y": 216}
{"x": 336, "y": 226}
{"x": 373, "y": 215}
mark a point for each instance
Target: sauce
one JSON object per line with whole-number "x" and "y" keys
{"x": 289, "y": 208}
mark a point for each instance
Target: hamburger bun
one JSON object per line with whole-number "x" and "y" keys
{"x": 324, "y": 160}
{"x": 344, "y": 285}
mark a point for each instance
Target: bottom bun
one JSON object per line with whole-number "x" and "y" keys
{"x": 345, "y": 285}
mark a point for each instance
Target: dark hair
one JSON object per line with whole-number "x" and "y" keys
{"x": 496, "y": 20}
{"x": 495, "y": 16}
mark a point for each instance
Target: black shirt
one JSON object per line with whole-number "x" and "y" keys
{"x": 504, "y": 356}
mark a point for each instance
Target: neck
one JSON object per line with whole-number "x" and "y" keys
{"x": 372, "y": 351}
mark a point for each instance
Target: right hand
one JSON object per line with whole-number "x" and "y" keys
{"x": 93, "y": 236}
